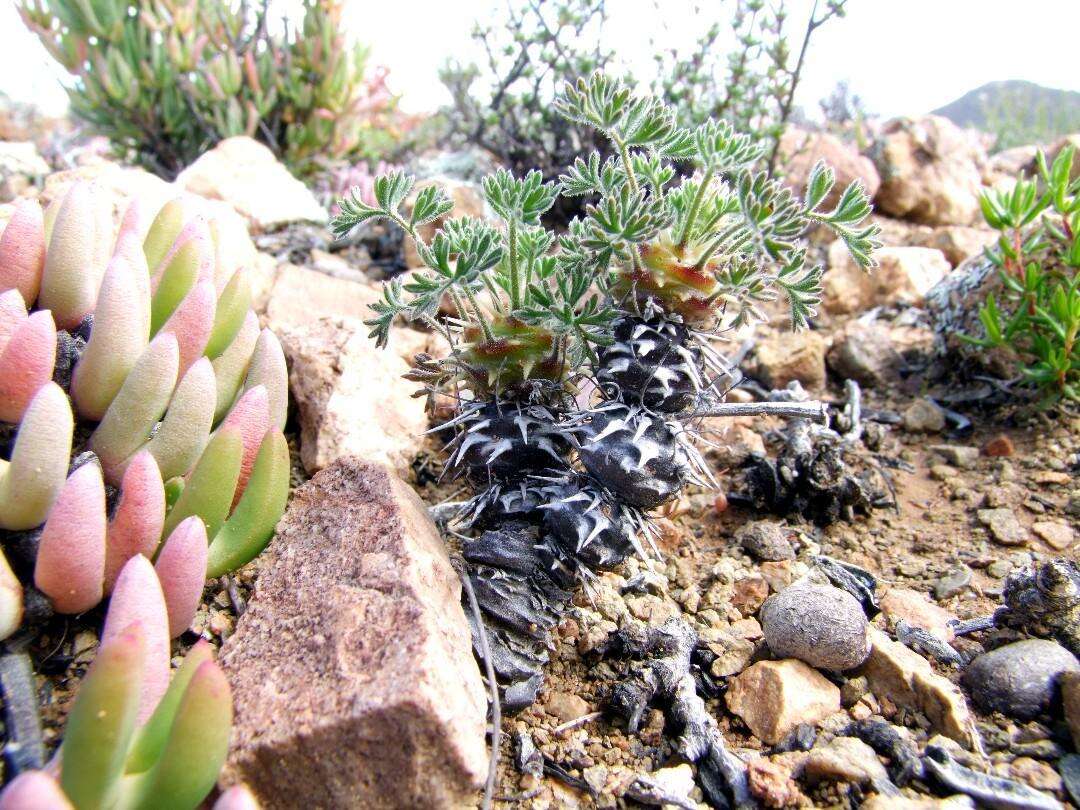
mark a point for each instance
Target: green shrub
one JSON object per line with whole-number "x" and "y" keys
{"x": 1038, "y": 255}
{"x": 167, "y": 79}
{"x": 537, "y": 45}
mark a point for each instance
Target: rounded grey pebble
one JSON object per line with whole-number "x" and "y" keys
{"x": 820, "y": 625}
{"x": 766, "y": 541}
{"x": 1020, "y": 679}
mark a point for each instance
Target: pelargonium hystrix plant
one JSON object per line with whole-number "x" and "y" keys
{"x": 1037, "y": 318}
{"x": 171, "y": 445}
{"x": 579, "y": 361}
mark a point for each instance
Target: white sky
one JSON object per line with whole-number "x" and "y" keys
{"x": 901, "y": 56}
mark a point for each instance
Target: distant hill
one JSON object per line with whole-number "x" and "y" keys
{"x": 1017, "y": 112}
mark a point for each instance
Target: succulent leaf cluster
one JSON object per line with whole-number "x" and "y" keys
{"x": 177, "y": 400}
{"x": 1037, "y": 315}
{"x": 134, "y": 738}
{"x": 165, "y": 80}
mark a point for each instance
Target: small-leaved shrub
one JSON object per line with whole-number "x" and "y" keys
{"x": 1038, "y": 255}
{"x": 166, "y": 79}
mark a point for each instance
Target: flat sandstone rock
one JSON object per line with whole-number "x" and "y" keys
{"x": 352, "y": 669}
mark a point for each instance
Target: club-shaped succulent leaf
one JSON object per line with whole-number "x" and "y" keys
{"x": 119, "y": 336}
{"x": 70, "y": 564}
{"x": 249, "y": 528}
{"x": 151, "y": 737}
{"x": 188, "y": 262}
{"x": 208, "y": 491}
{"x": 138, "y": 599}
{"x": 77, "y": 253}
{"x": 181, "y": 569}
{"x": 102, "y": 721}
{"x": 268, "y": 369}
{"x": 232, "y": 307}
{"x": 231, "y": 366}
{"x": 35, "y": 790}
{"x": 11, "y": 599}
{"x": 165, "y": 229}
{"x": 139, "y": 217}
{"x": 184, "y": 431}
{"x": 194, "y": 750}
{"x": 138, "y": 518}
{"x": 12, "y": 313}
{"x": 251, "y": 414}
{"x": 238, "y": 797}
{"x": 26, "y": 363}
{"x": 31, "y": 481}
{"x": 137, "y": 407}
{"x": 22, "y": 251}
{"x": 192, "y": 322}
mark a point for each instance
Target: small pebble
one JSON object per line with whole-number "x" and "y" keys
{"x": 1020, "y": 679}
{"x": 924, "y": 416}
{"x": 952, "y": 582}
{"x": 819, "y": 624}
{"x": 766, "y": 541}
{"x": 1000, "y": 446}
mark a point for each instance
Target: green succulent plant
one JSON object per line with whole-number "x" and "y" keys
{"x": 180, "y": 396}
{"x": 166, "y": 79}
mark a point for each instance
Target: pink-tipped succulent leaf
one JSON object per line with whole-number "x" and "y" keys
{"x": 137, "y": 598}
{"x": 77, "y": 253}
{"x": 102, "y": 721}
{"x": 12, "y": 313}
{"x": 208, "y": 490}
{"x": 70, "y": 564}
{"x": 232, "y": 307}
{"x": 238, "y": 797}
{"x": 26, "y": 364}
{"x": 184, "y": 431}
{"x": 181, "y": 569}
{"x": 137, "y": 521}
{"x": 192, "y": 322}
{"x": 31, "y": 480}
{"x": 22, "y": 251}
{"x": 251, "y": 414}
{"x": 188, "y": 262}
{"x": 119, "y": 336}
{"x": 192, "y": 754}
{"x": 164, "y": 230}
{"x": 34, "y": 790}
{"x": 138, "y": 406}
{"x": 267, "y": 368}
{"x": 232, "y": 364}
{"x": 249, "y": 528}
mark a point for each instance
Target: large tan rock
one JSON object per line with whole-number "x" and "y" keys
{"x": 931, "y": 171}
{"x": 785, "y": 356}
{"x": 917, "y": 610}
{"x": 903, "y": 275}
{"x": 352, "y": 671}
{"x": 244, "y": 173}
{"x": 21, "y": 165}
{"x": 121, "y": 184}
{"x": 773, "y": 697}
{"x": 298, "y": 295}
{"x": 351, "y": 397}
{"x": 904, "y": 677}
{"x": 801, "y": 150}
